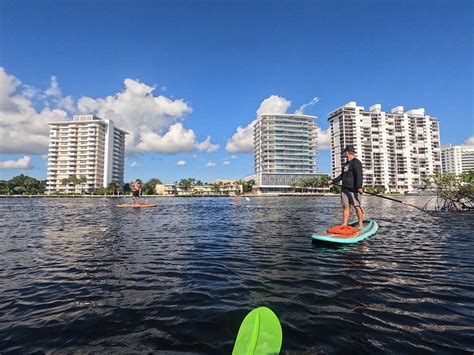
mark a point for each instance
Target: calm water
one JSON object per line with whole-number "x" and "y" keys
{"x": 80, "y": 274}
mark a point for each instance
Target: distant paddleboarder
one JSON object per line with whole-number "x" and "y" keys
{"x": 237, "y": 194}
{"x": 136, "y": 191}
{"x": 351, "y": 177}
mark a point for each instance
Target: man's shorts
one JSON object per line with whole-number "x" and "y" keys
{"x": 350, "y": 198}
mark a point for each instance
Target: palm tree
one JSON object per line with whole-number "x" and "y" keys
{"x": 216, "y": 188}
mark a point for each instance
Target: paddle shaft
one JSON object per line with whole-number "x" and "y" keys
{"x": 385, "y": 197}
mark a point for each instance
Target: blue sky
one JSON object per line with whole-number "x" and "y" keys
{"x": 221, "y": 59}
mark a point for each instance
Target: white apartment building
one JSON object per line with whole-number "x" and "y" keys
{"x": 285, "y": 150}
{"x": 457, "y": 159}
{"x": 397, "y": 149}
{"x": 89, "y": 147}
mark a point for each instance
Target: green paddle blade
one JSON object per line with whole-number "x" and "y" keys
{"x": 259, "y": 333}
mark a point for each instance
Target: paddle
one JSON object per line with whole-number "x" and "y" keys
{"x": 387, "y": 198}
{"x": 259, "y": 333}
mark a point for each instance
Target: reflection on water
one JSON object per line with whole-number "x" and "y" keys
{"x": 80, "y": 274}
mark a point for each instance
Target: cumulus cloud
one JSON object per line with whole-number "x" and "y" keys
{"x": 211, "y": 164}
{"x": 135, "y": 164}
{"x": 324, "y": 139}
{"x": 23, "y": 129}
{"x": 207, "y": 146}
{"x": 226, "y": 162}
{"x": 22, "y": 163}
{"x": 242, "y": 140}
{"x": 54, "y": 89}
{"x": 300, "y": 111}
{"x": 177, "y": 139}
{"x": 181, "y": 163}
{"x": 469, "y": 141}
{"x": 152, "y": 121}
{"x": 8, "y": 85}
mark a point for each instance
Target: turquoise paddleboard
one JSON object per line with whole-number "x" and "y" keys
{"x": 370, "y": 228}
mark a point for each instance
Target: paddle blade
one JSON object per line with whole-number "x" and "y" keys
{"x": 259, "y": 333}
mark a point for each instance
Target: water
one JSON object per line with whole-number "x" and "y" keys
{"x": 80, "y": 274}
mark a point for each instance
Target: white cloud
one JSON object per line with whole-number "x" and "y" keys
{"x": 29, "y": 92}
{"x": 177, "y": 139}
{"x": 8, "y": 85}
{"x": 226, "y": 162}
{"x": 147, "y": 117}
{"x": 324, "y": 139}
{"x": 181, "y": 163}
{"x": 273, "y": 104}
{"x": 207, "y": 146}
{"x": 135, "y": 164}
{"x": 152, "y": 121}
{"x": 22, "y": 163}
{"x": 23, "y": 129}
{"x": 194, "y": 157}
{"x": 300, "y": 111}
{"x": 211, "y": 164}
{"x": 469, "y": 141}
{"x": 54, "y": 89}
{"x": 242, "y": 140}
{"x": 233, "y": 156}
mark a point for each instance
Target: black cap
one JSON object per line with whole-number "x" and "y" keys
{"x": 349, "y": 148}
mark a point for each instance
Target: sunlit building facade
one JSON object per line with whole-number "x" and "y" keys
{"x": 398, "y": 149}
{"x": 285, "y": 151}
{"x": 85, "y": 147}
{"x": 457, "y": 159}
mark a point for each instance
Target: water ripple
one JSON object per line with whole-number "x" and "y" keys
{"x": 79, "y": 275}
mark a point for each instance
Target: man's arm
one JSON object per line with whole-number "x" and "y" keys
{"x": 336, "y": 179}
{"x": 358, "y": 174}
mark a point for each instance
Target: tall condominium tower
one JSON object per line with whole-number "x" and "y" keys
{"x": 285, "y": 147}
{"x": 457, "y": 159}
{"x": 398, "y": 149}
{"x": 88, "y": 147}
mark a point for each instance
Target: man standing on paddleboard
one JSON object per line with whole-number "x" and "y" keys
{"x": 351, "y": 177}
{"x": 136, "y": 191}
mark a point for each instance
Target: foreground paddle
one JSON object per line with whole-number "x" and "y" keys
{"x": 259, "y": 333}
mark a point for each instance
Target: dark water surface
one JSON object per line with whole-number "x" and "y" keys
{"x": 82, "y": 275}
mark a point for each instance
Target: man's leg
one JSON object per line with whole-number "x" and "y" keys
{"x": 345, "y": 215}
{"x": 360, "y": 217}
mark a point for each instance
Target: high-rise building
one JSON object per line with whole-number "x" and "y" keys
{"x": 397, "y": 149}
{"x": 285, "y": 149}
{"x": 85, "y": 147}
{"x": 457, "y": 159}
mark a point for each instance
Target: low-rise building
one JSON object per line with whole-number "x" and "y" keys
{"x": 165, "y": 189}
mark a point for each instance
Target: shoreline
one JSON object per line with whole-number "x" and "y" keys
{"x": 146, "y": 196}
{"x": 199, "y": 196}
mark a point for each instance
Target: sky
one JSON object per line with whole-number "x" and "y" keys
{"x": 187, "y": 78}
